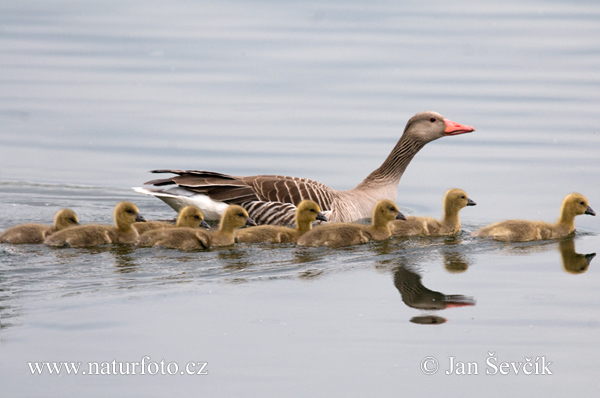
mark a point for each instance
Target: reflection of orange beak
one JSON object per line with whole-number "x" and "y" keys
{"x": 454, "y": 305}
{"x": 453, "y": 128}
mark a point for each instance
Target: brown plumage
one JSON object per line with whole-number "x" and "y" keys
{"x": 125, "y": 214}
{"x": 522, "y": 230}
{"x": 454, "y": 201}
{"x": 185, "y": 238}
{"x": 346, "y": 234}
{"x": 271, "y": 199}
{"x": 36, "y": 233}
{"x": 307, "y": 213}
{"x": 189, "y": 216}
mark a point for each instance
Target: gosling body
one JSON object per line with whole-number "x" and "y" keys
{"x": 454, "y": 200}
{"x": 347, "y": 234}
{"x": 185, "y": 238}
{"x": 307, "y": 213}
{"x": 36, "y": 233}
{"x": 125, "y": 214}
{"x": 523, "y": 230}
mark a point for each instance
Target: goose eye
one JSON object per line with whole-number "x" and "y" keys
{"x": 582, "y": 203}
{"x": 312, "y": 210}
{"x": 130, "y": 211}
{"x": 433, "y": 120}
{"x": 463, "y": 197}
{"x": 241, "y": 215}
{"x": 197, "y": 217}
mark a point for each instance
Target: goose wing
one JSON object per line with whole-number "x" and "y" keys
{"x": 238, "y": 190}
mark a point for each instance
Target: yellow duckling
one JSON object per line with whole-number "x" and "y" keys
{"x": 189, "y": 216}
{"x": 125, "y": 214}
{"x": 346, "y": 234}
{"x": 454, "y": 201}
{"x": 522, "y": 230}
{"x": 306, "y": 213}
{"x": 186, "y": 238}
{"x": 36, "y": 233}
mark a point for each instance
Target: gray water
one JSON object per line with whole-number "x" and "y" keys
{"x": 95, "y": 94}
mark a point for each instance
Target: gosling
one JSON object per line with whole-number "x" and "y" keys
{"x": 125, "y": 214}
{"x": 36, "y": 233}
{"x": 347, "y": 234}
{"x": 189, "y": 216}
{"x": 306, "y": 213}
{"x": 524, "y": 231}
{"x": 454, "y": 200}
{"x": 185, "y": 238}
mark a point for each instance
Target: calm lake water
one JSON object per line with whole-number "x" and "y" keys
{"x": 94, "y": 94}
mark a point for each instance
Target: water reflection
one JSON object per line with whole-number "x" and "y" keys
{"x": 415, "y": 295}
{"x": 573, "y": 262}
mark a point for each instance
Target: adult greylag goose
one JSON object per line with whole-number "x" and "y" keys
{"x": 272, "y": 199}
{"x": 36, "y": 233}
{"x": 346, "y": 234}
{"x": 307, "y": 213}
{"x": 125, "y": 214}
{"x": 454, "y": 200}
{"x": 573, "y": 205}
{"x": 186, "y": 238}
{"x": 189, "y": 216}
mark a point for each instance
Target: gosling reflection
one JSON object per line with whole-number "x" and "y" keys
{"x": 574, "y": 263}
{"x": 415, "y": 295}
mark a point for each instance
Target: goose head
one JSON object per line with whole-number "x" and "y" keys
{"x": 125, "y": 214}
{"x": 65, "y": 218}
{"x": 235, "y": 217}
{"x": 455, "y": 199}
{"x": 429, "y": 126}
{"x": 576, "y": 204}
{"x": 191, "y": 216}
{"x": 308, "y": 212}
{"x": 386, "y": 211}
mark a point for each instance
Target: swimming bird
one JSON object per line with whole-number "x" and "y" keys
{"x": 36, "y": 233}
{"x": 307, "y": 213}
{"x": 124, "y": 215}
{"x": 272, "y": 199}
{"x": 185, "y": 238}
{"x": 346, "y": 234}
{"x": 454, "y": 200}
{"x": 573, "y": 205}
{"x": 189, "y": 216}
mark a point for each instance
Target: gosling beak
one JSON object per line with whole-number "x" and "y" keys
{"x": 470, "y": 202}
{"x": 400, "y": 216}
{"x": 453, "y": 128}
{"x": 139, "y": 218}
{"x": 590, "y": 257}
{"x": 590, "y": 211}
{"x": 321, "y": 217}
{"x": 204, "y": 224}
{"x": 250, "y": 222}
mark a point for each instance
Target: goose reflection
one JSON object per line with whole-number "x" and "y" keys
{"x": 573, "y": 262}
{"x": 415, "y": 295}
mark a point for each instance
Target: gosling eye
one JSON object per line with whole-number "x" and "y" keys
{"x": 312, "y": 210}
{"x": 241, "y": 215}
{"x": 582, "y": 203}
{"x": 463, "y": 197}
{"x": 129, "y": 211}
{"x": 197, "y": 217}
{"x": 433, "y": 120}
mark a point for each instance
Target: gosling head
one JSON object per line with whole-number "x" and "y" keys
{"x": 309, "y": 211}
{"x": 577, "y": 204}
{"x": 455, "y": 199}
{"x": 191, "y": 216}
{"x": 125, "y": 214}
{"x": 429, "y": 126}
{"x": 235, "y": 217}
{"x": 386, "y": 211}
{"x": 65, "y": 218}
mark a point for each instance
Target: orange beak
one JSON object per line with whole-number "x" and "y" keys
{"x": 453, "y": 128}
